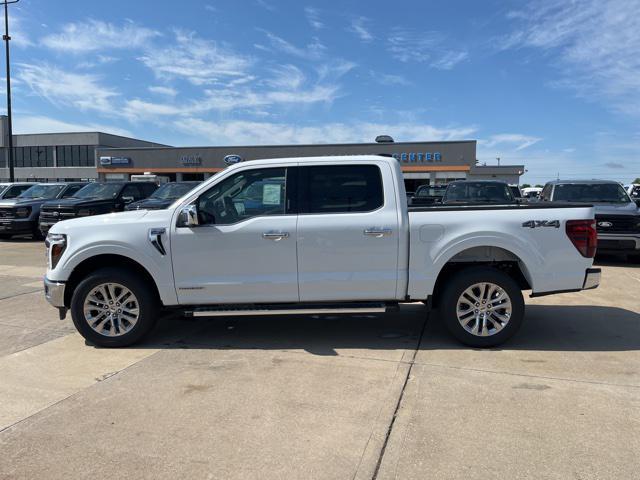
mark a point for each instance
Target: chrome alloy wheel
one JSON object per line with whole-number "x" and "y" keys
{"x": 111, "y": 309}
{"x": 484, "y": 309}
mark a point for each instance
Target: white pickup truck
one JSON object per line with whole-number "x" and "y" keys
{"x": 309, "y": 235}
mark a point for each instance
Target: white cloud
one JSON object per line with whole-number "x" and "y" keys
{"x": 594, "y": 43}
{"x": 266, "y": 5}
{"x": 93, "y": 35}
{"x": 23, "y": 124}
{"x": 313, "y": 17}
{"x": 390, "y": 79}
{"x": 196, "y": 60}
{"x": 160, "y": 90}
{"x": 63, "y": 88}
{"x": 360, "y": 27}
{"x": 18, "y": 32}
{"x": 288, "y": 77}
{"x": 311, "y": 51}
{"x": 334, "y": 69}
{"x": 247, "y": 132}
{"x": 517, "y": 141}
{"x": 424, "y": 47}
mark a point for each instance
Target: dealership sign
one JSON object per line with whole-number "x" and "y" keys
{"x": 418, "y": 157}
{"x": 107, "y": 161}
{"x": 231, "y": 159}
{"x": 191, "y": 160}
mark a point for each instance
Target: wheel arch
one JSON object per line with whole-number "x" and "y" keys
{"x": 91, "y": 264}
{"x": 492, "y": 256}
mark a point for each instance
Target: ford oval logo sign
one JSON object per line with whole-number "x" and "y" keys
{"x": 605, "y": 224}
{"x": 232, "y": 159}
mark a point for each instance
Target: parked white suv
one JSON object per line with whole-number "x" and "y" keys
{"x": 324, "y": 234}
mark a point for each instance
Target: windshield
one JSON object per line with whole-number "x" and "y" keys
{"x": 99, "y": 190}
{"x": 590, "y": 192}
{"x": 42, "y": 191}
{"x": 170, "y": 191}
{"x": 478, "y": 192}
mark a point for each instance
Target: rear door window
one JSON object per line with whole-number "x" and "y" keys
{"x": 340, "y": 189}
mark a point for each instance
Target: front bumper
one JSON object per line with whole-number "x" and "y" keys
{"x": 54, "y": 292}
{"x": 17, "y": 226}
{"x": 619, "y": 242}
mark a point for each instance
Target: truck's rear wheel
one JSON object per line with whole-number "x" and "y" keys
{"x": 482, "y": 306}
{"x": 113, "y": 308}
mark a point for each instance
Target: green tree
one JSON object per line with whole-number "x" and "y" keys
{"x": 539, "y": 186}
{"x": 525, "y": 185}
{"x": 637, "y": 180}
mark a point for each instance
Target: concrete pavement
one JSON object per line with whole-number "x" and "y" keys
{"x": 321, "y": 397}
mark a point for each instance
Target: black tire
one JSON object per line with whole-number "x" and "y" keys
{"x": 462, "y": 281}
{"x": 146, "y": 299}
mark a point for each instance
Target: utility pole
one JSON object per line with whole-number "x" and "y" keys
{"x": 6, "y": 39}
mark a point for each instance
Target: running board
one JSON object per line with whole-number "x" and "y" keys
{"x": 289, "y": 309}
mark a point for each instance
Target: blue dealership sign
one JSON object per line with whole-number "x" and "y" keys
{"x": 106, "y": 161}
{"x": 418, "y": 157}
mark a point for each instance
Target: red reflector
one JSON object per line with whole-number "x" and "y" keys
{"x": 582, "y": 234}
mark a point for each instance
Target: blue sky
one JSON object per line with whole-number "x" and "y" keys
{"x": 551, "y": 84}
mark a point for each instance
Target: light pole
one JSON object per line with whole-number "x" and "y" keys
{"x": 6, "y": 39}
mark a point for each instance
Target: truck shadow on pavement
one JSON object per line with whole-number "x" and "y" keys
{"x": 546, "y": 327}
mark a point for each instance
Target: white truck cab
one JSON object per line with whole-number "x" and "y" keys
{"x": 318, "y": 234}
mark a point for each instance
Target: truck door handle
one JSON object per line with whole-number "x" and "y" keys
{"x": 378, "y": 232}
{"x": 275, "y": 235}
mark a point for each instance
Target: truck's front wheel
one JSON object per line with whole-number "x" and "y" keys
{"x": 482, "y": 306}
{"x": 113, "y": 308}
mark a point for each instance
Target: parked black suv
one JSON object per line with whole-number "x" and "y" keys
{"x": 617, "y": 216}
{"x": 94, "y": 199}
{"x": 163, "y": 197}
{"x": 10, "y": 190}
{"x": 20, "y": 215}
{"x": 428, "y": 195}
{"x": 485, "y": 192}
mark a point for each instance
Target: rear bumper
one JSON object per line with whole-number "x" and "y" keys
{"x": 54, "y": 292}
{"x": 591, "y": 280}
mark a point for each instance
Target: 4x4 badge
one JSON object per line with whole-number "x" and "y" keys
{"x": 542, "y": 223}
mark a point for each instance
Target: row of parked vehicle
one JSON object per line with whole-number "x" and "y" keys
{"x": 616, "y": 207}
{"x": 32, "y": 208}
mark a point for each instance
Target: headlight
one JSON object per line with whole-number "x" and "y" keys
{"x": 56, "y": 244}
{"x": 85, "y": 212}
{"x": 23, "y": 212}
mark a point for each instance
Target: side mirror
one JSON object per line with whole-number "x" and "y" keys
{"x": 188, "y": 217}
{"x": 127, "y": 199}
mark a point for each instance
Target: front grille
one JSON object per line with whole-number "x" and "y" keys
{"x": 53, "y": 215}
{"x": 6, "y": 213}
{"x": 618, "y": 224}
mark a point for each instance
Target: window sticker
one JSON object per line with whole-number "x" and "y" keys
{"x": 271, "y": 194}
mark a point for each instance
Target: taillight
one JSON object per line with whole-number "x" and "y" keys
{"x": 582, "y": 234}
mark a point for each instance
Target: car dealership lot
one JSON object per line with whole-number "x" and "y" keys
{"x": 321, "y": 397}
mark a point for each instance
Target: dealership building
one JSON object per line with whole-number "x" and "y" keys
{"x": 50, "y": 157}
